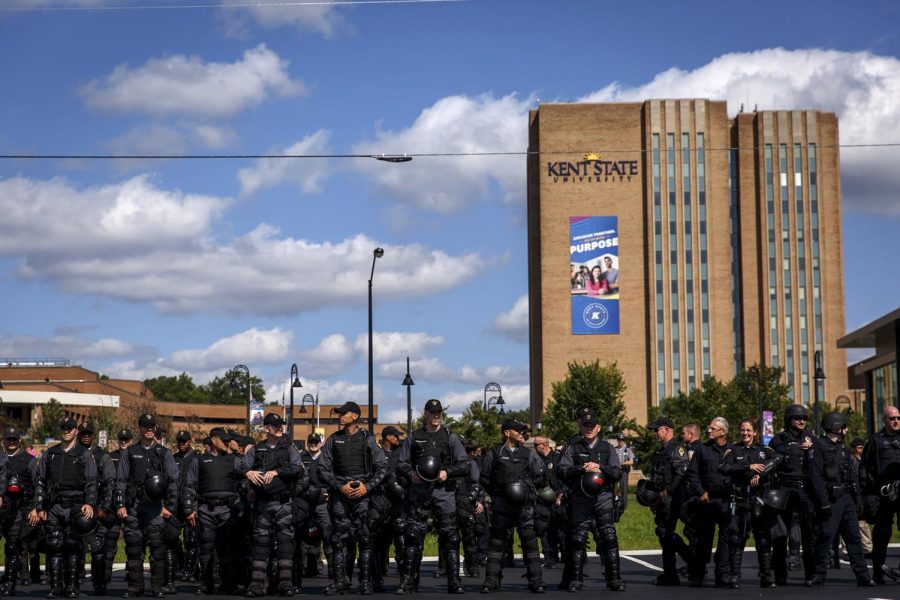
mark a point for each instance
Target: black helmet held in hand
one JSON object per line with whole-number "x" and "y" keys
{"x": 428, "y": 468}
{"x": 394, "y": 491}
{"x": 546, "y": 495}
{"x": 81, "y": 525}
{"x": 776, "y": 499}
{"x": 516, "y": 493}
{"x": 592, "y": 483}
{"x": 14, "y": 485}
{"x": 155, "y": 486}
{"x": 644, "y": 495}
{"x": 834, "y": 422}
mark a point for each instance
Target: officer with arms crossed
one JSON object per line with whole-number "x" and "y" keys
{"x": 431, "y": 459}
{"x": 19, "y": 515}
{"x": 512, "y": 473}
{"x": 272, "y": 466}
{"x": 147, "y": 495}
{"x": 590, "y": 466}
{"x": 65, "y": 496}
{"x": 211, "y": 488}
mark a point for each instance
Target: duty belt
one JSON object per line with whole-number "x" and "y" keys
{"x": 68, "y": 501}
{"x": 213, "y": 502}
{"x": 792, "y": 483}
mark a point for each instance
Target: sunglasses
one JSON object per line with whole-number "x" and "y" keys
{"x": 893, "y": 418}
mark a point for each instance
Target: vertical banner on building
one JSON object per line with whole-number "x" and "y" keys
{"x": 256, "y": 416}
{"x": 594, "y": 264}
{"x": 768, "y": 427}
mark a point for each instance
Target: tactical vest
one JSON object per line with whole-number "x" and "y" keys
{"x": 20, "y": 465}
{"x": 887, "y": 449}
{"x": 144, "y": 463}
{"x": 350, "y": 454}
{"x": 425, "y": 443}
{"x": 215, "y": 475}
{"x": 65, "y": 470}
{"x": 838, "y": 467}
{"x": 745, "y": 456}
{"x": 115, "y": 456}
{"x": 509, "y": 467}
{"x": 668, "y": 461}
{"x": 790, "y": 445}
{"x": 273, "y": 459}
{"x": 582, "y": 453}
{"x": 312, "y": 467}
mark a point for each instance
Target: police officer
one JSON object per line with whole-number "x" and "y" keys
{"x": 391, "y": 525}
{"x": 713, "y": 491}
{"x": 353, "y": 466}
{"x": 147, "y": 496}
{"x": 318, "y": 527}
{"x": 187, "y": 556}
{"x": 272, "y": 466}
{"x": 589, "y": 459}
{"x": 836, "y": 497}
{"x": 664, "y": 493}
{"x": 112, "y": 524}
{"x": 65, "y": 491}
{"x": 512, "y": 473}
{"x": 211, "y": 486}
{"x": 432, "y": 458}
{"x": 470, "y": 511}
{"x": 881, "y": 461}
{"x": 550, "y": 531}
{"x": 793, "y": 445}
{"x": 750, "y": 466}
{"x": 19, "y": 516}
{"x": 106, "y": 486}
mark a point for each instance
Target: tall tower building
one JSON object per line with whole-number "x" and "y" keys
{"x": 696, "y": 245}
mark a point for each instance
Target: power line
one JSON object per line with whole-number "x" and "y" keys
{"x": 282, "y": 3}
{"x": 410, "y": 155}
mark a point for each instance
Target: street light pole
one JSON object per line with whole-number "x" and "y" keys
{"x": 819, "y": 377}
{"x": 408, "y": 382}
{"x": 295, "y": 383}
{"x": 493, "y": 400}
{"x": 308, "y": 399}
{"x": 234, "y": 383}
{"x": 376, "y": 254}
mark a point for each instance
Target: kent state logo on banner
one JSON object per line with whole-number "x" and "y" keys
{"x": 590, "y": 315}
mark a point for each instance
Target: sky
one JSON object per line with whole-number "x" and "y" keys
{"x": 145, "y": 267}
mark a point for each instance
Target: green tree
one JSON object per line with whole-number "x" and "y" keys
{"x": 479, "y": 425}
{"x": 221, "y": 391}
{"x": 179, "y": 388}
{"x": 591, "y": 385}
{"x": 48, "y": 425}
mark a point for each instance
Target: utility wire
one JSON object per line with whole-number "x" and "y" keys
{"x": 410, "y": 155}
{"x": 282, "y": 3}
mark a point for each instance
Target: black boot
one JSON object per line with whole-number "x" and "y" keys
{"x": 454, "y": 585}
{"x": 98, "y": 573}
{"x": 365, "y": 572}
{"x": 13, "y": 564}
{"x": 735, "y": 556}
{"x": 135, "y": 575}
{"x": 171, "y": 570}
{"x": 567, "y": 572}
{"x": 55, "y": 575}
{"x": 189, "y": 573}
{"x": 408, "y": 571}
{"x": 578, "y": 559}
{"x": 72, "y": 574}
{"x": 766, "y": 577}
{"x": 339, "y": 585}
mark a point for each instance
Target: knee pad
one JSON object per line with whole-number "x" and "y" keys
{"x": 580, "y": 538}
{"x": 54, "y": 541}
{"x": 527, "y": 535}
{"x": 608, "y": 534}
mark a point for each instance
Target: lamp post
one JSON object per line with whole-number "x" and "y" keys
{"x": 309, "y": 399}
{"x": 819, "y": 377}
{"x": 376, "y": 254}
{"x": 295, "y": 383}
{"x": 493, "y": 400}
{"x": 408, "y": 382}
{"x": 235, "y": 384}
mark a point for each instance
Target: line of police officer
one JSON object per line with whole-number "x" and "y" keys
{"x": 746, "y": 487}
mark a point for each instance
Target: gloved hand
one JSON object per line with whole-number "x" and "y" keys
{"x": 825, "y": 512}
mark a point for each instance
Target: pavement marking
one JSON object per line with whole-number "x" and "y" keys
{"x": 643, "y": 563}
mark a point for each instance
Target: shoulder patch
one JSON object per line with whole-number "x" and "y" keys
{"x": 681, "y": 451}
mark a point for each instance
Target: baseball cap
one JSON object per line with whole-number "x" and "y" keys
{"x": 348, "y": 407}
{"x": 581, "y": 412}
{"x": 589, "y": 418}
{"x": 661, "y": 422}
{"x": 124, "y": 435}
{"x": 183, "y": 436}
{"x": 86, "y": 429}
{"x": 621, "y": 436}
{"x": 220, "y": 433}
{"x": 313, "y": 438}
{"x": 434, "y": 406}
{"x": 857, "y": 442}
{"x": 513, "y": 424}
{"x": 391, "y": 430}
{"x": 12, "y": 433}
{"x": 146, "y": 421}
{"x": 273, "y": 419}
{"x": 67, "y": 423}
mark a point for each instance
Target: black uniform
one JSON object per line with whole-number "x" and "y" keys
{"x": 66, "y": 481}
{"x": 317, "y": 529}
{"x": 390, "y": 522}
{"x": 549, "y": 527}
{"x": 667, "y": 474}
{"x": 273, "y": 511}
{"x": 211, "y": 487}
{"x": 502, "y": 467}
{"x": 139, "y": 467}
{"x": 592, "y": 513}
{"x": 18, "y": 502}
{"x": 793, "y": 478}
{"x": 748, "y": 510}
{"x": 432, "y": 499}
{"x": 346, "y": 458}
{"x": 112, "y": 524}
{"x": 186, "y": 556}
{"x": 703, "y": 476}
{"x": 106, "y": 487}
{"x": 833, "y": 476}
{"x": 469, "y": 493}
{"x": 881, "y": 461}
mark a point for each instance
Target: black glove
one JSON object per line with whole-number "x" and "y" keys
{"x": 825, "y": 512}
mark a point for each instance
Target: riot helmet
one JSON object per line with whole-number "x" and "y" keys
{"x": 428, "y": 468}
{"x": 644, "y": 495}
{"x": 592, "y": 483}
{"x": 834, "y": 421}
{"x": 516, "y": 493}
{"x": 776, "y": 499}
{"x": 155, "y": 486}
{"x": 81, "y": 525}
{"x": 546, "y": 495}
{"x": 14, "y": 486}
{"x": 394, "y": 491}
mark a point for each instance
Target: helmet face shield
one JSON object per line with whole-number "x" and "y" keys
{"x": 428, "y": 468}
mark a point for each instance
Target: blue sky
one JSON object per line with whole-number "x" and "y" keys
{"x": 152, "y": 267}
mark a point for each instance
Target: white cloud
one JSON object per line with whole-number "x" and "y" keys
{"x": 51, "y": 218}
{"x": 394, "y": 345}
{"x": 514, "y": 323}
{"x": 333, "y": 355}
{"x": 422, "y": 369}
{"x": 132, "y": 241}
{"x": 210, "y": 136}
{"x": 308, "y": 174}
{"x": 252, "y": 346}
{"x": 455, "y": 124}
{"x": 186, "y": 85}
{"x": 72, "y": 347}
{"x": 317, "y": 18}
{"x": 469, "y": 374}
{"x": 516, "y": 397}
{"x": 860, "y": 87}
{"x": 153, "y": 139}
